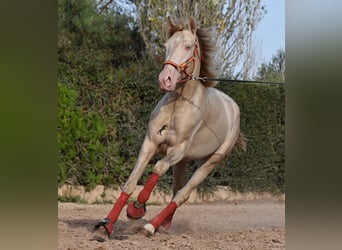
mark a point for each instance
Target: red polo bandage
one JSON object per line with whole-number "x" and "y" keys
{"x": 119, "y": 204}
{"x": 158, "y": 220}
{"x": 146, "y": 191}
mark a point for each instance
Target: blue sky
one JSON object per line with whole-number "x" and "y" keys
{"x": 270, "y": 32}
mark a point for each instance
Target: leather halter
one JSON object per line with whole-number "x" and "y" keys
{"x": 181, "y": 68}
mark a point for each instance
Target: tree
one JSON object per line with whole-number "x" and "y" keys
{"x": 233, "y": 21}
{"x": 91, "y": 33}
{"x": 273, "y": 70}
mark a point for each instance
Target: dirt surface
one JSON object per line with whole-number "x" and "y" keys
{"x": 235, "y": 225}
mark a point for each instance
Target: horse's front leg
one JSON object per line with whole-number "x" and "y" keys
{"x": 137, "y": 209}
{"x": 147, "y": 151}
{"x": 173, "y": 156}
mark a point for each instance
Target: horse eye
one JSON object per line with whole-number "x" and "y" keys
{"x": 187, "y": 47}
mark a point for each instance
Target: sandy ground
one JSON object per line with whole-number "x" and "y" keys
{"x": 234, "y": 225}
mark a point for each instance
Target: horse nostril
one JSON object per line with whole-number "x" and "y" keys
{"x": 168, "y": 78}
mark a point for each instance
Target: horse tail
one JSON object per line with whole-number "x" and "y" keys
{"x": 239, "y": 146}
{"x": 241, "y": 142}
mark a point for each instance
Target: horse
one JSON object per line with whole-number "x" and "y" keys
{"x": 192, "y": 121}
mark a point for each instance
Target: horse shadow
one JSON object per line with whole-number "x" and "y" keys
{"x": 122, "y": 229}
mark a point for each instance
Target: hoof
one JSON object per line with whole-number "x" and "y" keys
{"x": 105, "y": 225}
{"x": 149, "y": 229}
{"x": 135, "y": 212}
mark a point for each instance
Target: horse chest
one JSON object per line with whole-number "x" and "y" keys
{"x": 172, "y": 127}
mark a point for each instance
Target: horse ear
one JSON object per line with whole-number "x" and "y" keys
{"x": 170, "y": 22}
{"x": 193, "y": 25}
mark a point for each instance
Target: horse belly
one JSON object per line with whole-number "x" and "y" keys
{"x": 203, "y": 144}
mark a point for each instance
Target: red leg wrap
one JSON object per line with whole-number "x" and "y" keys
{"x": 146, "y": 192}
{"x": 167, "y": 222}
{"x": 119, "y": 204}
{"x": 160, "y": 218}
{"x": 137, "y": 210}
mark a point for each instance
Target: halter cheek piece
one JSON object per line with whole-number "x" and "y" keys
{"x": 181, "y": 68}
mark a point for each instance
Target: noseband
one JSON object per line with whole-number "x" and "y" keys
{"x": 181, "y": 68}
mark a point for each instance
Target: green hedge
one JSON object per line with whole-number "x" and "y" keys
{"x": 86, "y": 153}
{"x": 262, "y": 166}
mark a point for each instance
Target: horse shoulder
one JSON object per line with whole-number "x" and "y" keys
{"x": 224, "y": 100}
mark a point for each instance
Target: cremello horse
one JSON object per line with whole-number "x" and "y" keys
{"x": 193, "y": 121}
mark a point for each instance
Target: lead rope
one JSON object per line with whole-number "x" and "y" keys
{"x": 232, "y": 80}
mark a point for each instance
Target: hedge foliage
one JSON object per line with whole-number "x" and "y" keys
{"x": 262, "y": 166}
{"x": 105, "y": 102}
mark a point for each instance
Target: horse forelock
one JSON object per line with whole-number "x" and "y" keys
{"x": 207, "y": 50}
{"x": 175, "y": 28}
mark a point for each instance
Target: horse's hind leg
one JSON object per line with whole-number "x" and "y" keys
{"x": 206, "y": 168}
{"x": 197, "y": 178}
{"x": 178, "y": 183}
{"x": 178, "y": 177}
{"x": 183, "y": 194}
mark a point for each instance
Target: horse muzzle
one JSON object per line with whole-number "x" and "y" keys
{"x": 168, "y": 78}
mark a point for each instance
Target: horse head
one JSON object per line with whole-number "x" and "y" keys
{"x": 182, "y": 60}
